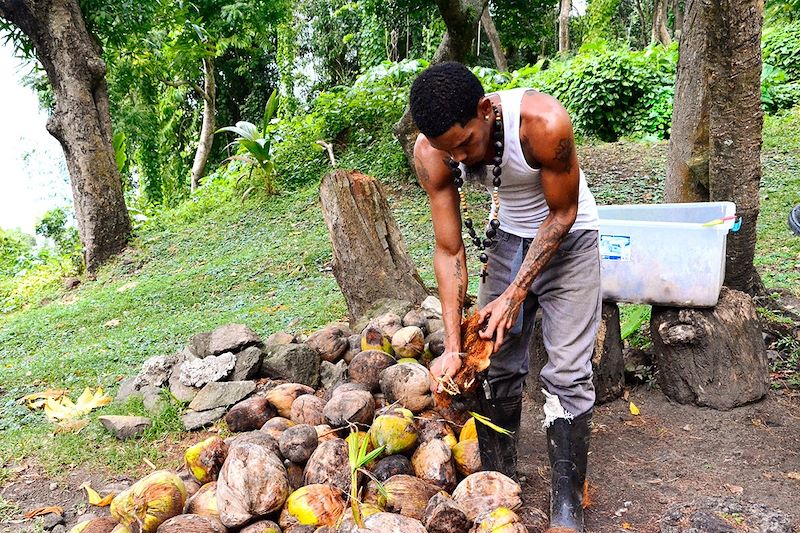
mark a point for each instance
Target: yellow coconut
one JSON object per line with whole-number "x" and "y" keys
{"x": 501, "y": 520}
{"x": 482, "y": 492}
{"x": 407, "y": 360}
{"x": 373, "y": 338}
{"x": 204, "y": 502}
{"x": 395, "y": 430}
{"x": 150, "y": 501}
{"x": 314, "y": 505}
{"x": 204, "y": 459}
{"x": 467, "y": 456}
{"x": 468, "y": 431}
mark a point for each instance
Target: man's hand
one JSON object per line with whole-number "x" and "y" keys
{"x": 442, "y": 368}
{"x": 502, "y": 313}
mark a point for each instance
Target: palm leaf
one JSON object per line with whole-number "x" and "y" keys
{"x": 488, "y": 423}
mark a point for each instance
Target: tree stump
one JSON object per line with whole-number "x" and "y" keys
{"x": 711, "y": 357}
{"x": 607, "y": 362}
{"x": 370, "y": 260}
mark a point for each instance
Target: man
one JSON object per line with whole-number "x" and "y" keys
{"x": 520, "y": 144}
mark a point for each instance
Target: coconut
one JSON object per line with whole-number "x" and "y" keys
{"x": 417, "y": 318}
{"x": 390, "y": 322}
{"x": 501, "y": 520}
{"x": 407, "y": 495}
{"x": 331, "y": 342}
{"x": 353, "y": 407}
{"x": 284, "y": 395}
{"x": 443, "y": 515}
{"x": 298, "y": 443}
{"x": 392, "y": 465}
{"x": 430, "y": 425}
{"x": 468, "y": 430}
{"x": 105, "y": 524}
{"x": 355, "y": 348}
{"x": 307, "y": 409}
{"x": 249, "y": 414}
{"x": 483, "y": 492}
{"x": 313, "y": 505}
{"x": 294, "y": 472}
{"x": 244, "y": 491}
{"x": 275, "y": 427}
{"x": 478, "y": 353}
{"x": 406, "y": 361}
{"x": 367, "y": 366}
{"x": 204, "y": 459}
{"x": 394, "y": 523}
{"x": 119, "y": 528}
{"x": 262, "y": 526}
{"x": 380, "y": 401}
{"x": 261, "y": 438}
{"x": 433, "y": 462}
{"x": 192, "y": 523}
{"x": 395, "y": 430}
{"x": 150, "y": 501}
{"x": 467, "y": 457}
{"x": 408, "y": 385}
{"x": 191, "y": 484}
{"x": 204, "y": 502}
{"x": 325, "y": 432}
{"x": 374, "y": 338}
{"x": 330, "y": 463}
{"x": 408, "y": 342}
{"x": 341, "y": 388}
{"x": 435, "y": 343}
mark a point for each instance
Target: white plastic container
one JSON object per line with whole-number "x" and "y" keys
{"x": 664, "y": 254}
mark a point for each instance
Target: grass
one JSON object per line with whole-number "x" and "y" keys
{"x": 264, "y": 262}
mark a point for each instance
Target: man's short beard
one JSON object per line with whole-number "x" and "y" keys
{"x": 476, "y": 173}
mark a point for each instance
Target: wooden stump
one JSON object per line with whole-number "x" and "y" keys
{"x": 711, "y": 357}
{"x": 370, "y": 260}
{"x": 607, "y": 362}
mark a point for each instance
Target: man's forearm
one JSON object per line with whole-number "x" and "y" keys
{"x": 543, "y": 248}
{"x": 451, "y": 275}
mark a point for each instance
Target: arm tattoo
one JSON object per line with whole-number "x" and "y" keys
{"x": 422, "y": 172}
{"x": 544, "y": 246}
{"x": 564, "y": 153}
{"x": 460, "y": 279}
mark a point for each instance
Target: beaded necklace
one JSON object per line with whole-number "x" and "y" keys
{"x": 458, "y": 182}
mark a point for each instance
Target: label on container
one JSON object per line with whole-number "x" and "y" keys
{"x": 615, "y": 247}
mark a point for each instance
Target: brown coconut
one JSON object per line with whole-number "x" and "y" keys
{"x": 313, "y": 505}
{"x": 249, "y": 414}
{"x": 329, "y": 464}
{"x": 261, "y": 438}
{"x": 325, "y": 432}
{"x": 416, "y": 317}
{"x": 244, "y": 491}
{"x": 205, "y": 458}
{"x": 355, "y": 348}
{"x": 367, "y": 366}
{"x": 298, "y": 443}
{"x": 284, "y": 395}
{"x": 276, "y": 426}
{"x": 262, "y": 526}
{"x": 431, "y": 425}
{"x": 295, "y": 473}
{"x": 307, "y": 409}
{"x": 389, "y": 322}
{"x": 433, "y": 462}
{"x": 191, "y": 484}
{"x": 342, "y": 388}
{"x": 204, "y": 502}
{"x": 467, "y": 457}
{"x": 408, "y": 342}
{"x": 478, "y": 352}
{"x": 105, "y": 524}
{"x": 394, "y": 523}
{"x": 150, "y": 501}
{"x": 408, "y": 385}
{"x": 392, "y": 465}
{"x": 435, "y": 343}
{"x": 331, "y": 342}
{"x": 192, "y": 523}
{"x": 353, "y": 407}
{"x": 443, "y": 515}
{"x": 407, "y": 495}
{"x": 483, "y": 492}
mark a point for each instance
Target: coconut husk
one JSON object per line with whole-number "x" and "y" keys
{"x": 249, "y": 414}
{"x": 389, "y": 322}
{"x": 394, "y": 523}
{"x": 467, "y": 457}
{"x": 366, "y": 368}
{"x": 284, "y": 395}
{"x": 262, "y": 438}
{"x": 391, "y": 466}
{"x": 477, "y": 358}
{"x": 407, "y": 385}
{"x": 374, "y": 338}
{"x": 417, "y": 318}
{"x": 395, "y": 430}
{"x": 204, "y": 502}
{"x": 325, "y": 432}
{"x": 294, "y": 472}
{"x": 352, "y": 407}
{"x": 431, "y": 425}
{"x": 483, "y": 492}
{"x": 329, "y": 464}
{"x": 276, "y": 426}
{"x": 104, "y": 524}
{"x": 408, "y": 342}
{"x": 443, "y": 515}
{"x": 191, "y": 484}
{"x": 331, "y": 342}
{"x": 433, "y": 462}
{"x": 262, "y": 526}
{"x": 313, "y": 505}
{"x": 501, "y": 520}
{"x": 243, "y": 491}
{"x": 354, "y": 349}
{"x": 298, "y": 443}
{"x": 204, "y": 459}
{"x": 341, "y": 388}
{"x": 150, "y": 501}
{"x": 192, "y": 523}
{"x": 407, "y": 495}
{"x": 307, "y": 409}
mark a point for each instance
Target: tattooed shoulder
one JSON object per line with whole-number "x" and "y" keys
{"x": 564, "y": 153}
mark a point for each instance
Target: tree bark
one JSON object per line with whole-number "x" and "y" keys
{"x": 81, "y": 121}
{"x": 460, "y": 18}
{"x": 209, "y": 96}
{"x": 642, "y": 19}
{"x": 370, "y": 260}
{"x": 711, "y": 357}
{"x": 563, "y": 27}
{"x": 494, "y": 38}
{"x": 659, "y": 31}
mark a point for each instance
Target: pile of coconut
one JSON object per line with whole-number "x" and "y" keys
{"x": 370, "y": 452}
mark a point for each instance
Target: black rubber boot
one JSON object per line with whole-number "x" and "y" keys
{"x": 568, "y": 446}
{"x": 499, "y": 451}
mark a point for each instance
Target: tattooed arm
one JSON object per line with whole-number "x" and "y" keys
{"x": 548, "y": 143}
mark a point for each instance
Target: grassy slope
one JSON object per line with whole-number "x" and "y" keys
{"x": 215, "y": 260}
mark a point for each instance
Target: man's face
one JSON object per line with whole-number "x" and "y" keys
{"x": 468, "y": 143}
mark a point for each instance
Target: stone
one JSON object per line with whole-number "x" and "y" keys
{"x": 199, "y": 372}
{"x": 432, "y": 307}
{"x": 293, "y": 362}
{"x": 155, "y": 371}
{"x": 127, "y": 389}
{"x": 199, "y": 345}
{"x": 181, "y": 392}
{"x": 724, "y": 515}
{"x": 51, "y": 520}
{"x": 125, "y": 427}
{"x": 331, "y": 374}
{"x": 222, "y": 394}
{"x": 195, "y": 420}
{"x": 231, "y": 338}
{"x": 60, "y": 528}
{"x": 71, "y": 283}
{"x": 280, "y": 338}
{"x": 248, "y": 364}
{"x": 152, "y": 399}
{"x": 435, "y": 324}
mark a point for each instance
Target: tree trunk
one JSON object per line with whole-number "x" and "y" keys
{"x": 209, "y": 96}
{"x": 494, "y": 39}
{"x": 370, "y": 260}
{"x": 711, "y": 357}
{"x": 81, "y": 120}
{"x": 563, "y": 27}
{"x": 642, "y": 19}
{"x": 460, "y": 18}
{"x": 677, "y": 12}
{"x": 659, "y": 32}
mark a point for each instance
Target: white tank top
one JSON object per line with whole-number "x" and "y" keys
{"x": 522, "y": 204}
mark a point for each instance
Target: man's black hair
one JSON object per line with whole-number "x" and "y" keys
{"x": 442, "y": 95}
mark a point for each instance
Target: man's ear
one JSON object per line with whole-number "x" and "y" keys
{"x": 485, "y": 111}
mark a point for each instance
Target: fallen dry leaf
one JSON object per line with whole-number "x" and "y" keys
{"x": 37, "y": 399}
{"x": 634, "y": 410}
{"x": 71, "y": 425}
{"x": 41, "y": 511}
{"x": 794, "y": 475}
{"x": 95, "y": 498}
{"x": 626, "y": 525}
{"x": 734, "y": 489}
{"x": 64, "y": 408}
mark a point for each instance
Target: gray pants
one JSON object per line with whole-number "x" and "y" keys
{"x": 568, "y": 291}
